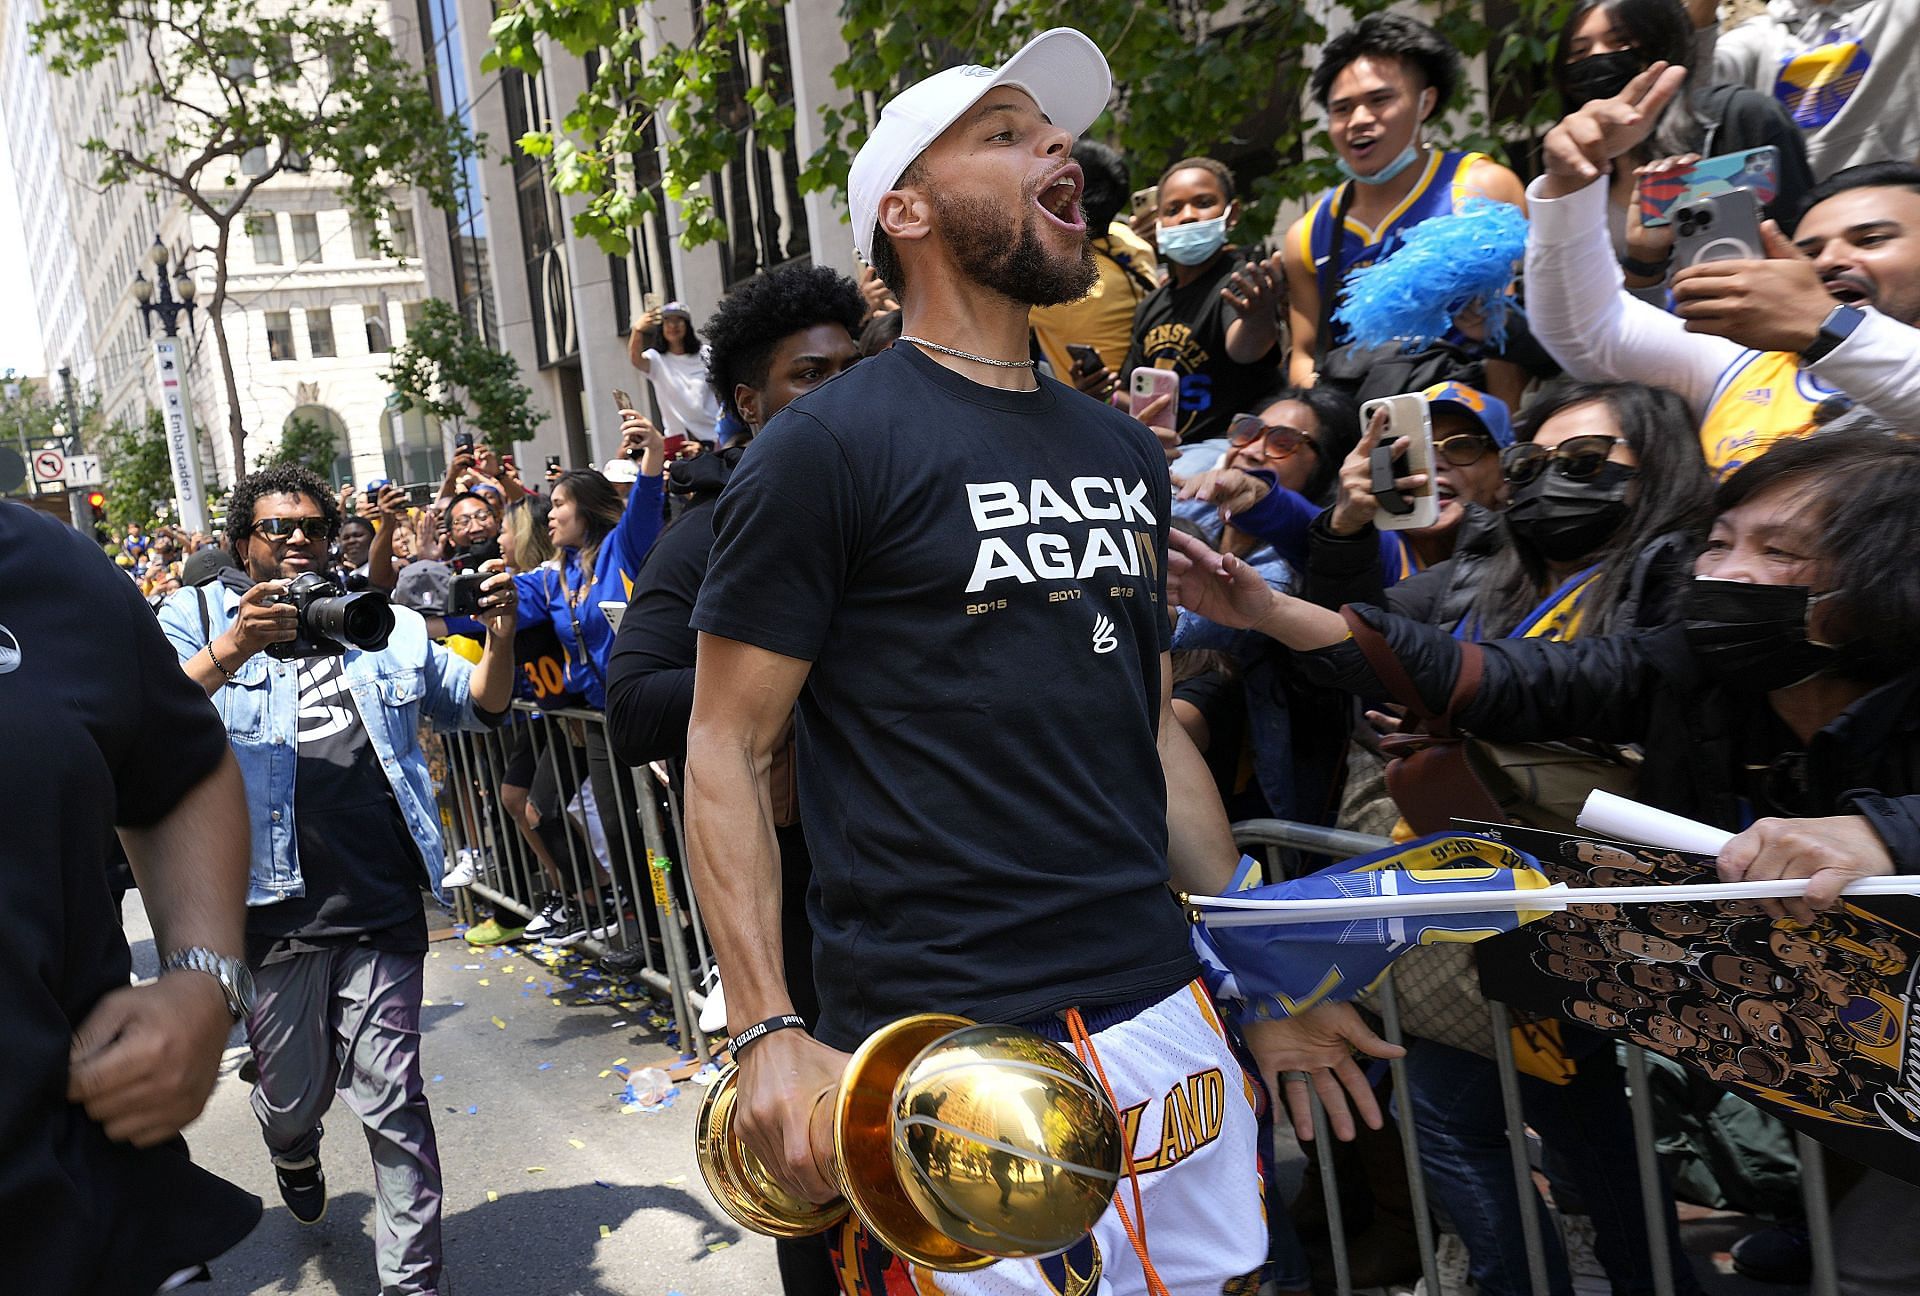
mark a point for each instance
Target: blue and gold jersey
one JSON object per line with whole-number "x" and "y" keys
{"x": 1440, "y": 191}
{"x": 1761, "y": 397}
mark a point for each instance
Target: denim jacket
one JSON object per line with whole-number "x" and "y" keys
{"x": 411, "y": 676}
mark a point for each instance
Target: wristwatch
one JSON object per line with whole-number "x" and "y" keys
{"x": 236, "y": 983}
{"x": 1836, "y": 328}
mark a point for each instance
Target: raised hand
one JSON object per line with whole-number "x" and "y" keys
{"x": 1583, "y": 146}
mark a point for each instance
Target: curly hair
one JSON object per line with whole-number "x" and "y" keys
{"x": 277, "y": 479}
{"x": 1394, "y": 36}
{"x": 752, "y": 321}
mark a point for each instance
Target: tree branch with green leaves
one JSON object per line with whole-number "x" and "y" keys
{"x": 447, "y": 370}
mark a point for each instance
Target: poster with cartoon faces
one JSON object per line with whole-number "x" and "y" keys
{"x": 1811, "y": 1023}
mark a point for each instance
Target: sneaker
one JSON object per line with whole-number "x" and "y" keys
{"x": 302, "y": 1187}
{"x": 462, "y": 872}
{"x": 569, "y": 927}
{"x": 541, "y": 923}
{"x": 491, "y": 932}
{"x": 1776, "y": 1254}
{"x": 713, "y": 1017}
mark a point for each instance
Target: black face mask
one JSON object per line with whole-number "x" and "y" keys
{"x": 1601, "y": 76}
{"x": 1562, "y": 519}
{"x": 1754, "y": 637}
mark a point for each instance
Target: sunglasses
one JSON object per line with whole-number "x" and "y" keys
{"x": 282, "y": 528}
{"x": 1577, "y": 458}
{"x": 1279, "y": 442}
{"x": 1464, "y": 448}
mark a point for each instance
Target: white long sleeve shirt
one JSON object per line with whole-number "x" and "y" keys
{"x": 1580, "y": 311}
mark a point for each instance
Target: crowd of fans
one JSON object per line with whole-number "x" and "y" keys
{"x": 1638, "y": 425}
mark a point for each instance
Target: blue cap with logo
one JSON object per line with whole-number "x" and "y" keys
{"x": 1490, "y": 412}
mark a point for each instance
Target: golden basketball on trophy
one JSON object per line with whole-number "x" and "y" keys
{"x": 957, "y": 1145}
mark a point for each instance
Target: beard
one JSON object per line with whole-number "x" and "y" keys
{"x": 1019, "y": 268}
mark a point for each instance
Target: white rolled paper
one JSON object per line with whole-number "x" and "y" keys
{"x": 1624, "y": 820}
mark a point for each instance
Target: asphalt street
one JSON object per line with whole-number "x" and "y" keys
{"x": 554, "y": 1187}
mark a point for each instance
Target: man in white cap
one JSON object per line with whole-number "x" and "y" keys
{"x": 956, "y": 572}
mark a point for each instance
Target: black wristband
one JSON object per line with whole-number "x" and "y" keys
{"x": 785, "y": 1021}
{"x": 1647, "y": 269}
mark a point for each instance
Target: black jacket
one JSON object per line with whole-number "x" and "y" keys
{"x": 1645, "y": 687}
{"x": 1346, "y": 569}
{"x": 650, "y": 667}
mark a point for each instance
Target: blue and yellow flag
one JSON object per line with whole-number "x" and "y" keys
{"x": 1281, "y": 970}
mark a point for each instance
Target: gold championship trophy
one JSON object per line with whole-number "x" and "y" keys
{"x": 957, "y": 1144}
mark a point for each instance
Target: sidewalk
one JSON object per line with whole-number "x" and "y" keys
{"x": 552, "y": 1189}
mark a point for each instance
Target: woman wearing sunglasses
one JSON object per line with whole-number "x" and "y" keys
{"x": 1607, "y": 491}
{"x": 1294, "y": 442}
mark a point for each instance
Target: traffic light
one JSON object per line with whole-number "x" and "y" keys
{"x": 97, "y": 509}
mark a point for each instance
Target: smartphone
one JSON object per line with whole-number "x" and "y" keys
{"x": 674, "y": 445}
{"x": 1755, "y": 170}
{"x": 1086, "y": 359}
{"x": 463, "y": 441}
{"x": 613, "y": 610}
{"x": 1409, "y": 417}
{"x": 422, "y": 494}
{"x": 1147, "y": 201}
{"x": 623, "y": 400}
{"x": 1722, "y": 227}
{"x": 652, "y": 301}
{"x": 373, "y": 495}
{"x": 1145, "y": 386}
{"x": 553, "y": 463}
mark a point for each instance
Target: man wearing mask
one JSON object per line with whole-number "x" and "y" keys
{"x": 1783, "y": 702}
{"x": 1380, "y": 82}
{"x": 772, "y": 339}
{"x": 1103, "y": 319}
{"x": 1216, "y": 320}
{"x": 345, "y": 835}
{"x": 1759, "y": 348}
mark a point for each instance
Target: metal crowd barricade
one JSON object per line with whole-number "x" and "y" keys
{"x": 650, "y": 867}
{"x": 1273, "y": 840}
{"x": 633, "y": 901}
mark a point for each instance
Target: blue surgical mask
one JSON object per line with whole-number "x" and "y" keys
{"x": 1406, "y": 159}
{"x": 1194, "y": 242}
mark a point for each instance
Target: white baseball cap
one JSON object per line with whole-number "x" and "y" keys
{"x": 1062, "y": 69}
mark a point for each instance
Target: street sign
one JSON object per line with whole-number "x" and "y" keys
{"x": 49, "y": 466}
{"x": 84, "y": 470}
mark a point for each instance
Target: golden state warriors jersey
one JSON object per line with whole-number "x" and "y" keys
{"x": 1762, "y": 396}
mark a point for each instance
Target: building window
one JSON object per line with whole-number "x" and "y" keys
{"x": 379, "y": 336}
{"x": 320, "y": 332}
{"x": 410, "y": 316}
{"x": 401, "y": 223}
{"x": 264, "y": 228}
{"x": 279, "y": 335}
{"x": 306, "y": 236}
{"x": 365, "y": 237}
{"x": 254, "y": 162}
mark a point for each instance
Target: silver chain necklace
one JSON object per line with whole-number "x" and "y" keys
{"x": 958, "y": 354}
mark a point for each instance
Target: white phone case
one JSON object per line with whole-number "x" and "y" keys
{"x": 1408, "y": 416}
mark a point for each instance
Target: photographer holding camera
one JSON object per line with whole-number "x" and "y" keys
{"x": 322, "y": 695}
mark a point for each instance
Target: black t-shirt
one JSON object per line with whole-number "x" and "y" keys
{"x": 977, "y": 577}
{"x": 1185, "y": 330}
{"x": 360, "y": 866}
{"x": 98, "y": 726}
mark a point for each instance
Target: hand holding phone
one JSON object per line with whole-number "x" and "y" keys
{"x": 1408, "y": 417}
{"x": 1147, "y": 386}
{"x": 1086, "y": 359}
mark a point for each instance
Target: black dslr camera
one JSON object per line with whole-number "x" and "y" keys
{"x": 463, "y": 591}
{"x": 331, "y": 619}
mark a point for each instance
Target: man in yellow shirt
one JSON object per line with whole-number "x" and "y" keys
{"x": 1103, "y": 319}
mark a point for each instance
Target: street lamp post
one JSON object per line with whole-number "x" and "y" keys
{"x": 176, "y": 299}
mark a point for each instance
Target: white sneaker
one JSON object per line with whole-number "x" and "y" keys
{"x": 713, "y": 1017}
{"x": 461, "y": 874}
{"x": 544, "y": 921}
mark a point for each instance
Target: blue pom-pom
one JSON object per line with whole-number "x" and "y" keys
{"x": 1440, "y": 267}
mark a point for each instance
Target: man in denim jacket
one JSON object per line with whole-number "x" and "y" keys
{"x": 345, "y": 834}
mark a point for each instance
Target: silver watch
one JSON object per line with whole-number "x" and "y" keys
{"x": 236, "y": 982}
